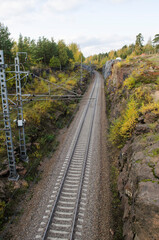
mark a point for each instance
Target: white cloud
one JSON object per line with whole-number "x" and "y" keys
{"x": 63, "y": 5}
{"x": 10, "y": 8}
{"x": 117, "y": 1}
{"x": 95, "y": 45}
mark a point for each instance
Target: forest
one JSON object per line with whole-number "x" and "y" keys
{"x": 127, "y": 51}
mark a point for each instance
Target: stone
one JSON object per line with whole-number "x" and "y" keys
{"x": 153, "y": 147}
{"x": 19, "y": 168}
{"x": 156, "y": 170}
{"x": 148, "y": 193}
{"x": 156, "y": 96}
{"x": 138, "y": 156}
{"x": 24, "y": 184}
{"x": 136, "y": 237}
{"x": 141, "y": 119}
{"x": 157, "y": 128}
{"x": 127, "y": 231}
{"x": 127, "y": 208}
{"x": 141, "y": 128}
{"x": 107, "y": 68}
{"x": 16, "y": 185}
{"x": 147, "y": 209}
{"x": 23, "y": 172}
{"x": 4, "y": 173}
{"x": 142, "y": 171}
{"x": 150, "y": 117}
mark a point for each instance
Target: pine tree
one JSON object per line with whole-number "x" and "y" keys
{"x": 6, "y": 43}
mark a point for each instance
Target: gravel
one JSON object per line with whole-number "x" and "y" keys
{"x": 97, "y": 216}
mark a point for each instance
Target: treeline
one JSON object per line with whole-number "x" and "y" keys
{"x": 41, "y": 52}
{"x": 133, "y": 49}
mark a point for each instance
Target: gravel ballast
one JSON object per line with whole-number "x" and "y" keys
{"x": 97, "y": 216}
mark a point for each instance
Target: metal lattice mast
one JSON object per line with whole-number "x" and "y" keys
{"x": 20, "y": 120}
{"x": 81, "y": 68}
{"x": 7, "y": 125}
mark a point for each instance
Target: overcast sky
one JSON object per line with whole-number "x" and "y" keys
{"x": 96, "y": 25}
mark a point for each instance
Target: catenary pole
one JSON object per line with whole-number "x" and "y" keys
{"x": 81, "y": 68}
{"x": 7, "y": 124}
{"x": 20, "y": 120}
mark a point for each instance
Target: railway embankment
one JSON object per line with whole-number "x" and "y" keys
{"x": 132, "y": 95}
{"x": 46, "y": 121}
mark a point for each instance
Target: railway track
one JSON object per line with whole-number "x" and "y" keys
{"x": 65, "y": 211}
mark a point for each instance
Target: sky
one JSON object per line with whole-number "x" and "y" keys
{"x": 95, "y": 25}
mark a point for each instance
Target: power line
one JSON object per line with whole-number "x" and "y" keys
{"x": 19, "y": 106}
{"x": 58, "y": 86}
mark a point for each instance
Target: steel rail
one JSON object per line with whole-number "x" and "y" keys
{"x": 69, "y": 163}
{"x": 83, "y": 172}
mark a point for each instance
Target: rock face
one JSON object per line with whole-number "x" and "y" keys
{"x": 138, "y": 185}
{"x": 107, "y": 68}
{"x": 138, "y": 181}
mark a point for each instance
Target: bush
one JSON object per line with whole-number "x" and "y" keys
{"x": 129, "y": 120}
{"x": 122, "y": 128}
{"x": 151, "y": 107}
{"x": 130, "y": 82}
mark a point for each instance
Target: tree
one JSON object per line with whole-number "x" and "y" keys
{"x": 139, "y": 44}
{"x": 148, "y": 48}
{"x": 111, "y": 54}
{"x": 46, "y": 49}
{"x": 139, "y": 40}
{"x": 62, "y": 53}
{"x": 76, "y": 52}
{"x": 6, "y": 43}
{"x": 156, "y": 40}
{"x": 70, "y": 54}
{"x": 55, "y": 62}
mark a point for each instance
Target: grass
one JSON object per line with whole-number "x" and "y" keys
{"x": 155, "y": 152}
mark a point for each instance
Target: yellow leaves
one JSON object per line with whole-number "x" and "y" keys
{"x": 123, "y": 127}
{"x": 151, "y": 107}
{"x": 52, "y": 79}
{"x": 129, "y": 82}
{"x": 34, "y": 114}
{"x": 71, "y": 82}
{"x": 142, "y": 95}
{"x": 119, "y": 64}
{"x": 129, "y": 119}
